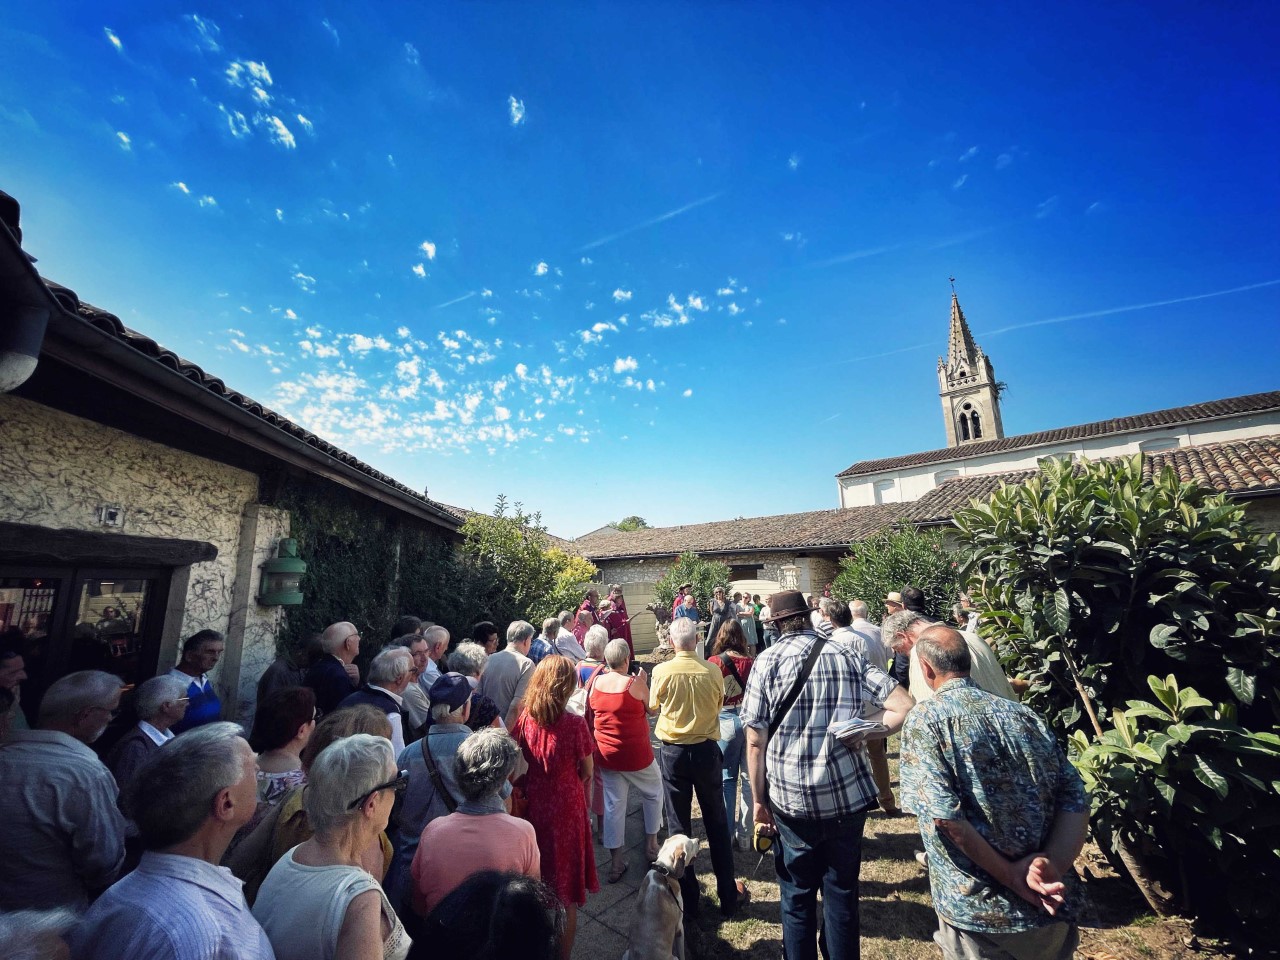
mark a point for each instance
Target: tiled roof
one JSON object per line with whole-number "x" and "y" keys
{"x": 816, "y": 529}
{"x": 1242, "y": 467}
{"x": 1212, "y": 410}
{"x": 111, "y": 324}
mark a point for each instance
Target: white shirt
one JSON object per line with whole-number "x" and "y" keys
{"x": 397, "y": 721}
{"x": 873, "y": 645}
{"x": 985, "y": 671}
{"x": 158, "y": 737}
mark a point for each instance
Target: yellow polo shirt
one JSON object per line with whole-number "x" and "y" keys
{"x": 689, "y": 692}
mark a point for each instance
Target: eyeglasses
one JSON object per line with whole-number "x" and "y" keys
{"x": 398, "y": 785}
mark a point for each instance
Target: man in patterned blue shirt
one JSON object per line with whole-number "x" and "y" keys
{"x": 813, "y": 789}
{"x": 1002, "y": 813}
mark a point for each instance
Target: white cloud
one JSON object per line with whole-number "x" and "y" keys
{"x": 180, "y": 186}
{"x": 236, "y": 122}
{"x": 207, "y": 201}
{"x": 486, "y": 293}
{"x": 279, "y": 214}
{"x": 324, "y": 350}
{"x": 1094, "y": 207}
{"x": 1003, "y": 161}
{"x": 695, "y": 302}
{"x": 207, "y": 32}
{"x": 733, "y": 309}
{"x": 331, "y": 30}
{"x": 305, "y": 283}
{"x": 501, "y": 413}
{"x": 516, "y": 109}
{"x": 540, "y": 270}
{"x": 522, "y": 371}
{"x": 969, "y": 154}
{"x": 586, "y": 261}
{"x": 113, "y": 39}
{"x": 391, "y": 160}
{"x": 419, "y": 270}
{"x": 362, "y": 344}
{"x": 602, "y": 327}
{"x": 623, "y": 364}
{"x": 307, "y": 125}
{"x": 277, "y": 131}
{"x": 429, "y": 249}
{"x": 621, "y": 296}
{"x": 290, "y": 315}
{"x": 793, "y": 161}
{"x": 240, "y": 345}
{"x": 960, "y": 181}
{"x": 125, "y": 142}
{"x": 248, "y": 73}
{"x": 725, "y": 292}
{"x": 687, "y": 393}
{"x": 411, "y": 54}
{"x": 1047, "y": 207}
{"x": 402, "y": 332}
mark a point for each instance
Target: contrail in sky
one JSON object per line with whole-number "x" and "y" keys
{"x": 450, "y": 303}
{"x": 1074, "y": 316}
{"x": 857, "y": 255}
{"x": 649, "y": 223}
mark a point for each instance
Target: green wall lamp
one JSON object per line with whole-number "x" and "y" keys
{"x": 281, "y": 584}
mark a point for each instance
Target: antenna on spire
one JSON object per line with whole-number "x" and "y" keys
{"x": 953, "y": 284}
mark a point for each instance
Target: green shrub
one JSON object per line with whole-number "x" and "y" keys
{"x": 892, "y": 559}
{"x": 705, "y": 575}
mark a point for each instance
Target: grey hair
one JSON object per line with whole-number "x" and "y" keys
{"x": 519, "y": 632}
{"x": 483, "y": 762}
{"x": 859, "y": 610}
{"x": 550, "y": 627}
{"x": 897, "y": 623}
{"x": 346, "y": 769}
{"x": 594, "y": 641}
{"x": 172, "y": 794}
{"x": 617, "y": 653}
{"x": 155, "y": 693}
{"x": 75, "y": 692}
{"x": 436, "y": 636}
{"x": 565, "y": 617}
{"x": 468, "y": 659}
{"x": 946, "y": 650}
{"x": 23, "y": 932}
{"x": 390, "y": 665}
{"x": 957, "y": 610}
{"x": 683, "y": 633}
{"x": 443, "y": 713}
{"x": 827, "y": 604}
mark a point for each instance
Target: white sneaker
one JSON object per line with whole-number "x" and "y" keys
{"x": 922, "y": 858}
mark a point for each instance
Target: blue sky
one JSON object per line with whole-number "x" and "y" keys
{"x": 686, "y": 261}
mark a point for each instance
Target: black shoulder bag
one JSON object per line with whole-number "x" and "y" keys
{"x": 437, "y": 780}
{"x": 785, "y": 707}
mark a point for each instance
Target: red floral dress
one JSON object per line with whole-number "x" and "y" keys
{"x": 558, "y": 805}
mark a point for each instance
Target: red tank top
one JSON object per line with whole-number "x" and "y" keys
{"x": 622, "y": 730}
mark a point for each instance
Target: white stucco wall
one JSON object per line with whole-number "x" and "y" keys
{"x": 912, "y": 483}
{"x": 59, "y": 469}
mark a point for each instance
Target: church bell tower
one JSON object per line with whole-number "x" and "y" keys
{"x": 967, "y": 385}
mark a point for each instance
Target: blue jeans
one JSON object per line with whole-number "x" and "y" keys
{"x": 813, "y": 854}
{"x": 734, "y": 767}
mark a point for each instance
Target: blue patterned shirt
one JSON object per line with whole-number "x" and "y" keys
{"x": 811, "y": 774}
{"x": 971, "y": 755}
{"x": 539, "y": 648}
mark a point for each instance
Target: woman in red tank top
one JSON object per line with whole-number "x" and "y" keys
{"x": 617, "y": 709}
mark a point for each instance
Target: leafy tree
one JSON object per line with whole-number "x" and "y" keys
{"x": 892, "y": 559}
{"x": 627, "y": 524}
{"x": 573, "y": 575}
{"x": 511, "y": 549}
{"x": 1094, "y": 585}
{"x": 705, "y": 575}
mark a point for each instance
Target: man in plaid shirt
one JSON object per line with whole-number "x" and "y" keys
{"x": 812, "y": 790}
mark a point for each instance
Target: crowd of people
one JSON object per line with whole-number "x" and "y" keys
{"x": 445, "y": 797}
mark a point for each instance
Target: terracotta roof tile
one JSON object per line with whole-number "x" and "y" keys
{"x": 815, "y": 529}
{"x": 1213, "y": 409}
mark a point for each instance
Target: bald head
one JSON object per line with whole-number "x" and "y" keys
{"x": 341, "y": 640}
{"x": 944, "y": 655}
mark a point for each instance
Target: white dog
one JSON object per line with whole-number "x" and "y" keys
{"x": 657, "y": 932}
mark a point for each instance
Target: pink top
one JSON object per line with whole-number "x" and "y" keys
{"x": 621, "y": 727}
{"x": 458, "y": 846}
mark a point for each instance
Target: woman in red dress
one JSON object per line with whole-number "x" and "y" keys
{"x": 558, "y": 748}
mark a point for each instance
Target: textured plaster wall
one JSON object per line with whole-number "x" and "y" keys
{"x": 59, "y": 469}
{"x": 261, "y": 623}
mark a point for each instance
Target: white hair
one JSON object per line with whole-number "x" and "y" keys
{"x": 859, "y": 610}
{"x": 155, "y": 693}
{"x": 594, "y": 641}
{"x": 683, "y": 633}
{"x": 75, "y": 692}
{"x": 346, "y": 769}
{"x": 172, "y": 794}
{"x": 335, "y": 635}
{"x": 436, "y": 636}
{"x": 616, "y": 653}
{"x": 443, "y": 713}
{"x": 468, "y": 659}
{"x": 519, "y": 632}
{"x": 484, "y": 761}
{"x": 390, "y": 665}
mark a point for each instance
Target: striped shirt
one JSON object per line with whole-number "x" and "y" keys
{"x": 812, "y": 775}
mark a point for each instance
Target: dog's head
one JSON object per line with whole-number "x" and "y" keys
{"x": 676, "y": 854}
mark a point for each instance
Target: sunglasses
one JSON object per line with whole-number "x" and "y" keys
{"x": 400, "y": 782}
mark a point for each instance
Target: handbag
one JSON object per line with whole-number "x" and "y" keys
{"x": 578, "y": 702}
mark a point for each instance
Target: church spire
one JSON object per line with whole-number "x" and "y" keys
{"x": 967, "y": 385}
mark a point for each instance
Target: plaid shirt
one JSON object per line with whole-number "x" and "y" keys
{"x": 811, "y": 775}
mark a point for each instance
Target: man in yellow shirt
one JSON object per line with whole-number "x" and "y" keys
{"x": 688, "y": 692}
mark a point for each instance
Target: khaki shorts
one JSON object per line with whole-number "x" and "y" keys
{"x": 1056, "y": 941}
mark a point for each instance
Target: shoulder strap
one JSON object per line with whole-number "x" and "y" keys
{"x": 807, "y": 669}
{"x": 436, "y": 780}
{"x": 728, "y": 662}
